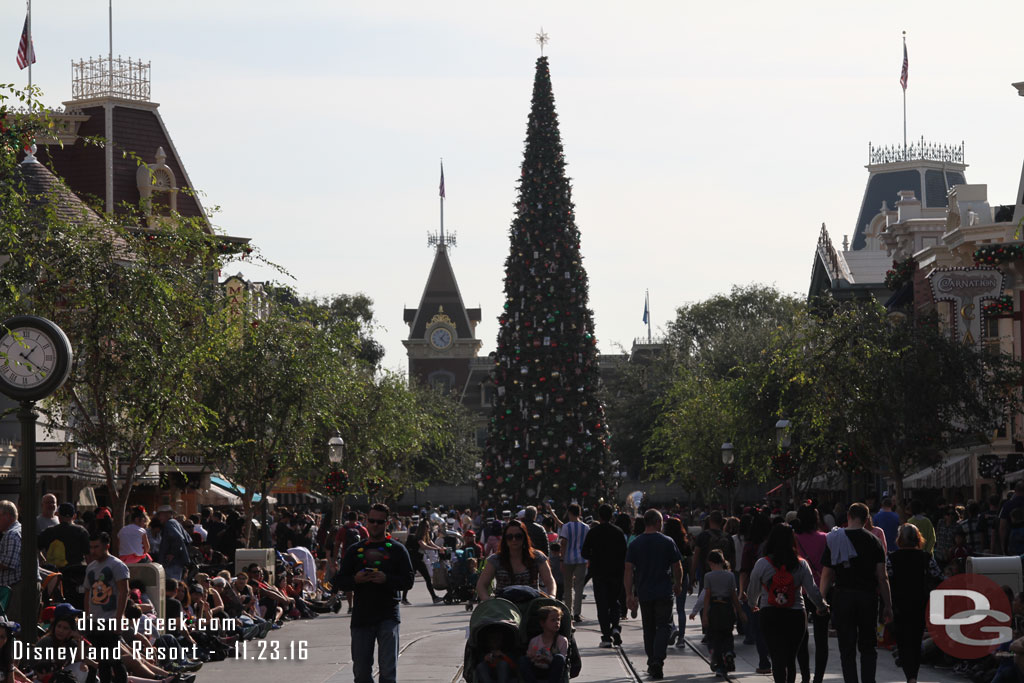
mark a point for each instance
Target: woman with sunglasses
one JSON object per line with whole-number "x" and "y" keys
{"x": 515, "y": 564}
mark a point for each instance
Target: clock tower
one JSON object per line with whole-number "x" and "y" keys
{"x": 442, "y": 339}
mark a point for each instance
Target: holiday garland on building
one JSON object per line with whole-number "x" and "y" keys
{"x": 547, "y": 437}
{"x": 901, "y": 273}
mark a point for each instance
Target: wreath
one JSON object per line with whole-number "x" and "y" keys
{"x": 336, "y": 482}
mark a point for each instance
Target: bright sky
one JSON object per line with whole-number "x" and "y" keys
{"x": 707, "y": 142}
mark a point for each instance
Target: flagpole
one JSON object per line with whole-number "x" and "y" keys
{"x": 110, "y": 45}
{"x": 904, "y": 102}
{"x": 31, "y": 54}
{"x": 442, "y": 202}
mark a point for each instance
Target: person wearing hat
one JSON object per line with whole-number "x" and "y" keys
{"x": 9, "y": 672}
{"x": 173, "y": 550}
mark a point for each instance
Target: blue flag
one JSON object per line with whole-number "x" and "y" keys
{"x": 647, "y": 312}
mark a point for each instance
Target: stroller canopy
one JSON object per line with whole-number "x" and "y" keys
{"x": 493, "y": 612}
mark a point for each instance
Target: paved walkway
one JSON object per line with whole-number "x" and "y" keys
{"x": 433, "y": 641}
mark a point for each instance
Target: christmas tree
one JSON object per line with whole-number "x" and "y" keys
{"x": 548, "y": 438}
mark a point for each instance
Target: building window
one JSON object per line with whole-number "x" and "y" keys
{"x": 442, "y": 381}
{"x": 481, "y": 437}
{"x": 486, "y": 394}
{"x": 990, "y": 335}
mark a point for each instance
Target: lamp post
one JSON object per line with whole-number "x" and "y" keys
{"x": 728, "y": 457}
{"x": 784, "y": 439}
{"x": 336, "y": 453}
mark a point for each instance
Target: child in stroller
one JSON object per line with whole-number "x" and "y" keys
{"x": 461, "y": 580}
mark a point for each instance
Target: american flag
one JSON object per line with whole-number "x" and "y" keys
{"x": 26, "y": 51}
{"x": 441, "y": 188}
{"x": 903, "y": 73}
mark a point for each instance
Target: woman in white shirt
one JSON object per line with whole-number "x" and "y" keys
{"x": 132, "y": 539}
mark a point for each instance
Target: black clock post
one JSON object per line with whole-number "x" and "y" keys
{"x": 35, "y": 360}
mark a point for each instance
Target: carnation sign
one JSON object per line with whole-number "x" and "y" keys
{"x": 967, "y": 288}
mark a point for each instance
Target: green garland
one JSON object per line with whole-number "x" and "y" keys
{"x": 336, "y": 482}
{"x": 994, "y": 254}
{"x": 1001, "y": 306}
{"x": 901, "y": 273}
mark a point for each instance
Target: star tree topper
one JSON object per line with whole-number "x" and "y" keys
{"x": 542, "y": 40}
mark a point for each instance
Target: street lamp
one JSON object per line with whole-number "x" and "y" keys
{"x": 782, "y": 433}
{"x": 336, "y": 453}
{"x": 336, "y": 448}
{"x": 728, "y": 457}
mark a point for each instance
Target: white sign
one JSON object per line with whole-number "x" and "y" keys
{"x": 967, "y": 288}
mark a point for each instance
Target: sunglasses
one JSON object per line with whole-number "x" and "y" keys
{"x": 376, "y": 521}
{"x": 514, "y": 537}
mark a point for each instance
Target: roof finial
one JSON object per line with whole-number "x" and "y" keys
{"x": 542, "y": 40}
{"x": 30, "y": 155}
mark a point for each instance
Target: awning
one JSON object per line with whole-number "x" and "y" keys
{"x": 300, "y": 499}
{"x": 1014, "y": 477}
{"x": 236, "y": 490}
{"x": 949, "y": 474}
{"x": 217, "y": 496}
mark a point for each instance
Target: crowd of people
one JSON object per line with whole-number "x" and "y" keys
{"x": 781, "y": 579}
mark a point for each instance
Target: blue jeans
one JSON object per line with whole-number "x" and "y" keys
{"x": 555, "y": 673}
{"x": 385, "y": 635}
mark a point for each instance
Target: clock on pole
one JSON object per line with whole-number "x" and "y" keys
{"x": 35, "y": 360}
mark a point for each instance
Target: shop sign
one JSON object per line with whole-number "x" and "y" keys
{"x": 967, "y": 288}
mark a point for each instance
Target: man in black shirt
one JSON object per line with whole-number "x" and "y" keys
{"x": 858, "y": 581}
{"x": 605, "y": 548}
{"x": 377, "y": 570}
{"x": 66, "y": 547}
{"x": 538, "y": 537}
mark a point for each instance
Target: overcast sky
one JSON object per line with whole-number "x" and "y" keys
{"x": 707, "y": 142}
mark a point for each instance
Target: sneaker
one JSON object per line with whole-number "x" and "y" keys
{"x": 349, "y": 610}
{"x": 437, "y": 599}
{"x": 577, "y": 618}
{"x": 406, "y": 602}
{"x": 763, "y": 669}
{"x": 655, "y": 672}
{"x": 681, "y": 644}
{"x": 606, "y": 643}
{"x": 730, "y": 661}
{"x": 617, "y": 636}
{"x": 720, "y": 672}
{"x": 673, "y": 635}
{"x": 337, "y": 605}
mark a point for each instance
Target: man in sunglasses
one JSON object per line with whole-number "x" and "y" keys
{"x": 377, "y": 570}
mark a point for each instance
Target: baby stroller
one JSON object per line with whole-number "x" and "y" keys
{"x": 496, "y": 618}
{"x": 519, "y": 605}
{"x": 461, "y": 582}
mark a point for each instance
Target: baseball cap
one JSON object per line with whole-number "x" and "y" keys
{"x": 103, "y": 513}
{"x": 66, "y": 609}
{"x": 66, "y": 510}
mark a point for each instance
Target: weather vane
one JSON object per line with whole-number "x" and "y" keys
{"x": 542, "y": 40}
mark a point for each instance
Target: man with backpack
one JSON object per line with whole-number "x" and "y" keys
{"x": 66, "y": 547}
{"x": 712, "y": 538}
{"x": 854, "y": 562}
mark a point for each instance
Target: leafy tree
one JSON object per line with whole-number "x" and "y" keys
{"x": 893, "y": 394}
{"x": 275, "y": 390}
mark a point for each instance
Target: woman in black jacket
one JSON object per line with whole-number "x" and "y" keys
{"x": 912, "y": 574}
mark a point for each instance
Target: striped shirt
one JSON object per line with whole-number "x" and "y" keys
{"x": 573, "y": 533}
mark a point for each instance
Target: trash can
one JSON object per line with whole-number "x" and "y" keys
{"x": 152, "y": 575}
{"x": 1005, "y": 571}
{"x": 264, "y": 557}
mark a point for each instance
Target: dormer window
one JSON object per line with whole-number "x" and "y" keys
{"x": 157, "y": 186}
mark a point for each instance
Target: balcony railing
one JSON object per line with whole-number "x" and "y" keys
{"x": 916, "y": 151}
{"x": 110, "y": 77}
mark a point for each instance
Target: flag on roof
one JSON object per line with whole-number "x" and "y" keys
{"x": 442, "y": 180}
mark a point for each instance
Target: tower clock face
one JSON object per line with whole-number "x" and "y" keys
{"x": 441, "y": 338}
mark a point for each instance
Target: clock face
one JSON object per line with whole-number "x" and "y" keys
{"x": 35, "y": 358}
{"x": 31, "y": 358}
{"x": 441, "y": 338}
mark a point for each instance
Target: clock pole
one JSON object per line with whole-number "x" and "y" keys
{"x": 29, "y": 508}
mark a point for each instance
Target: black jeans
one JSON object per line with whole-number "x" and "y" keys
{"x": 855, "y": 617}
{"x": 820, "y": 645}
{"x": 656, "y": 616}
{"x": 719, "y": 643}
{"x": 909, "y": 630}
{"x": 606, "y": 595}
{"x": 783, "y": 629}
{"x": 420, "y": 566}
{"x": 111, "y": 668}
